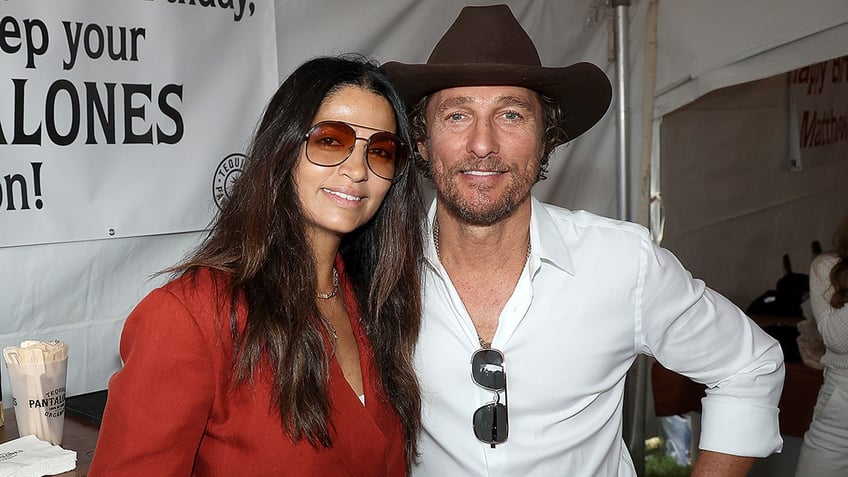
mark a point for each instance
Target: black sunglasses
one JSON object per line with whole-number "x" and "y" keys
{"x": 330, "y": 143}
{"x": 491, "y": 423}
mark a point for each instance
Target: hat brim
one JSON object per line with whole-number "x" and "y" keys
{"x": 582, "y": 90}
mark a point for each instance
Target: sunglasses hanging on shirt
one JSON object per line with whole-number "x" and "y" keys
{"x": 490, "y": 421}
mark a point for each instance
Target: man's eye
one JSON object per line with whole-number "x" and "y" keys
{"x": 455, "y": 116}
{"x": 512, "y": 115}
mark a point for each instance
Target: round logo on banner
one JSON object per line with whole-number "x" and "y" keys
{"x": 228, "y": 171}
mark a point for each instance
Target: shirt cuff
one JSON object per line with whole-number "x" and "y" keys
{"x": 732, "y": 427}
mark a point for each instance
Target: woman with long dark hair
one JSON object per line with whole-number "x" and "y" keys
{"x": 283, "y": 344}
{"x": 825, "y": 449}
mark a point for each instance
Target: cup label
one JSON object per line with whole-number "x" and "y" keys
{"x": 53, "y": 403}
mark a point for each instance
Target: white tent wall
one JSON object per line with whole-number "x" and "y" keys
{"x": 719, "y": 157}
{"x": 112, "y": 212}
{"x": 733, "y": 205}
{"x": 81, "y": 293}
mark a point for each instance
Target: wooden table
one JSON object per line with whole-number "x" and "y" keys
{"x": 79, "y": 435}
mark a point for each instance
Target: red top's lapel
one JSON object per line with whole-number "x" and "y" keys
{"x": 369, "y": 441}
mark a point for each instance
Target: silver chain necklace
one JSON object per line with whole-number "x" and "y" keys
{"x": 483, "y": 343}
{"x": 327, "y": 296}
{"x": 439, "y": 253}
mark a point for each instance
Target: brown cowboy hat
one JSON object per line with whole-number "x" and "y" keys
{"x": 487, "y": 46}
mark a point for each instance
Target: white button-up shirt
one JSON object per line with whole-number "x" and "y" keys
{"x": 594, "y": 294}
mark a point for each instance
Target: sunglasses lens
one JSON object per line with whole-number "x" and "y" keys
{"x": 490, "y": 423}
{"x": 384, "y": 152}
{"x": 487, "y": 369}
{"x": 330, "y": 143}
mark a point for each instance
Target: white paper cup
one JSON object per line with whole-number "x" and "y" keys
{"x": 38, "y": 396}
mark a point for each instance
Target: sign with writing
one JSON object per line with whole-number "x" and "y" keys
{"x": 119, "y": 116}
{"x": 819, "y": 113}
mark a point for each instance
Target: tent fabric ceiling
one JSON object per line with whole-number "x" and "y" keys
{"x": 704, "y": 46}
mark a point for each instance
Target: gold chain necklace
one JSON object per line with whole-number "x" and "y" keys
{"x": 332, "y": 329}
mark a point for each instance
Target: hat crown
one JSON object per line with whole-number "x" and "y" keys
{"x": 486, "y": 35}
{"x": 486, "y": 46}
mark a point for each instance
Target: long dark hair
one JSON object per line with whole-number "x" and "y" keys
{"x": 259, "y": 240}
{"x": 839, "y": 272}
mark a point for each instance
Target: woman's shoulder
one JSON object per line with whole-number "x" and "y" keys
{"x": 197, "y": 301}
{"x": 198, "y": 280}
{"x": 822, "y": 264}
{"x": 199, "y": 290}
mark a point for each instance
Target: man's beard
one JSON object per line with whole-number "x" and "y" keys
{"x": 483, "y": 206}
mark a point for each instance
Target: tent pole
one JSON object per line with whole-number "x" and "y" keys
{"x": 622, "y": 77}
{"x": 636, "y": 382}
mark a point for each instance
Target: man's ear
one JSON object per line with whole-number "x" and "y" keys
{"x": 422, "y": 150}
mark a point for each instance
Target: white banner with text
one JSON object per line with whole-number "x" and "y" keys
{"x": 818, "y": 105}
{"x": 123, "y": 118}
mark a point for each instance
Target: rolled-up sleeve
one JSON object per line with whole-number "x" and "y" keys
{"x": 697, "y": 332}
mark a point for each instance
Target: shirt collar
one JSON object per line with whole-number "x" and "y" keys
{"x": 546, "y": 241}
{"x": 429, "y": 246}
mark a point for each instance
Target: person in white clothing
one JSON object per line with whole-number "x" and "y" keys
{"x": 533, "y": 313}
{"x": 825, "y": 449}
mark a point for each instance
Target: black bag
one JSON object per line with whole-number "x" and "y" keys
{"x": 792, "y": 290}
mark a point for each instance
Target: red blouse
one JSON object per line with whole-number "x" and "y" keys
{"x": 172, "y": 412}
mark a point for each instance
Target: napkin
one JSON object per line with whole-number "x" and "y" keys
{"x": 30, "y": 457}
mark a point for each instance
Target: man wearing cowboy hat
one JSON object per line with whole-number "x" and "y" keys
{"x": 533, "y": 314}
